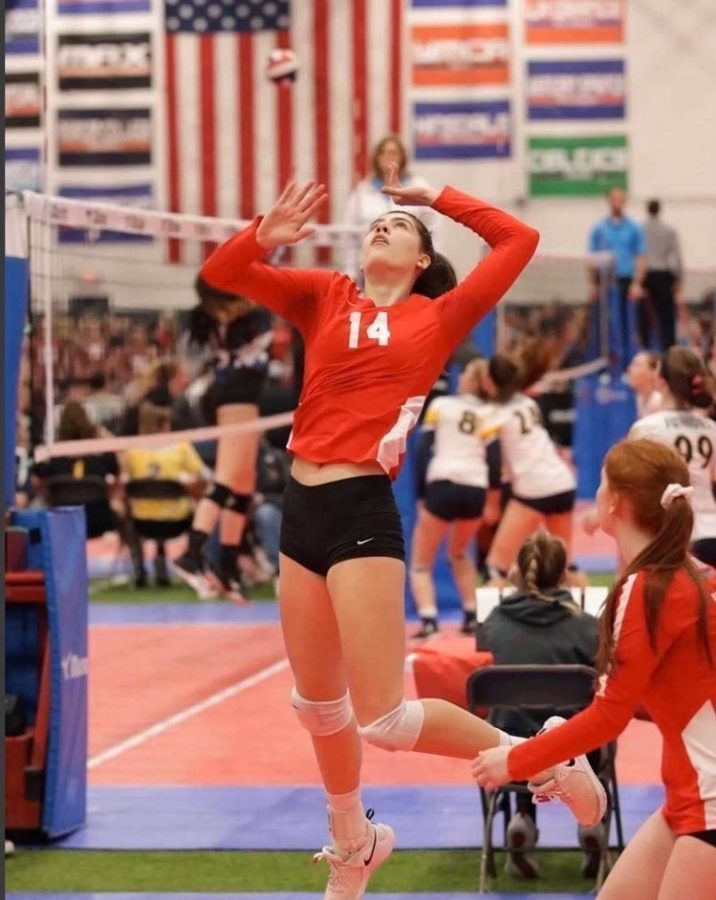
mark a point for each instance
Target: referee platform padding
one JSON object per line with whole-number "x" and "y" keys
{"x": 434, "y": 817}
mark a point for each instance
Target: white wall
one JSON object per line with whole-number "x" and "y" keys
{"x": 671, "y": 126}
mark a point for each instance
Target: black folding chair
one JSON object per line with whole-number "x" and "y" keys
{"x": 564, "y": 690}
{"x": 91, "y": 492}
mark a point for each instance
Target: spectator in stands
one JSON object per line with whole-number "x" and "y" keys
{"x": 160, "y": 519}
{"x": 161, "y": 384}
{"x": 624, "y": 239}
{"x": 367, "y": 202}
{"x": 662, "y": 282}
{"x": 539, "y": 624}
{"x": 138, "y": 352}
{"x": 102, "y": 514}
{"x": 272, "y": 478}
{"x": 643, "y": 379}
{"x": 103, "y": 407}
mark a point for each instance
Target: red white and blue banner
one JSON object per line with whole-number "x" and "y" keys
{"x": 574, "y": 21}
{"x": 22, "y": 28}
{"x": 23, "y": 168}
{"x": 102, "y": 7}
{"x": 467, "y": 54}
{"x": 462, "y": 130}
{"x": 23, "y": 100}
{"x": 104, "y": 61}
{"x": 456, "y": 4}
{"x": 104, "y": 137}
{"x": 576, "y": 89}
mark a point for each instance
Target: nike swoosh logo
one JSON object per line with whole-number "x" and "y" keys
{"x": 372, "y": 849}
{"x": 365, "y": 541}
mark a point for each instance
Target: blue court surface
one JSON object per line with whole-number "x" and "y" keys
{"x": 290, "y": 818}
{"x": 293, "y": 896}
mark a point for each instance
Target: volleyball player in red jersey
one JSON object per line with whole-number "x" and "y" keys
{"x": 657, "y": 648}
{"x": 372, "y": 356}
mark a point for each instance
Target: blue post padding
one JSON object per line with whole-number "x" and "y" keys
{"x": 16, "y": 280}
{"x": 405, "y": 491}
{"x": 605, "y": 413}
{"x": 60, "y": 553}
{"x": 484, "y": 336}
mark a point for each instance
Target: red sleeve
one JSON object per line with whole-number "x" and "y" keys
{"x": 237, "y": 266}
{"x": 618, "y": 696}
{"x": 512, "y": 243}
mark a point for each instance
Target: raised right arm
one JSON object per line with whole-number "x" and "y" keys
{"x": 238, "y": 266}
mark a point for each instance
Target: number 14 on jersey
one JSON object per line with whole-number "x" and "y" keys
{"x": 377, "y": 330}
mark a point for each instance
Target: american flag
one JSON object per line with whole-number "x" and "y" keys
{"x": 234, "y": 137}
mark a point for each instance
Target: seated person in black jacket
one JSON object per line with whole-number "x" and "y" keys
{"x": 539, "y": 624}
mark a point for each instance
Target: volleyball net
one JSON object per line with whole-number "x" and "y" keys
{"x": 110, "y": 306}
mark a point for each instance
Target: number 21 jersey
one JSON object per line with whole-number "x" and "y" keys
{"x": 694, "y": 437}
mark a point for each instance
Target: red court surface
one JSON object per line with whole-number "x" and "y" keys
{"x": 142, "y": 675}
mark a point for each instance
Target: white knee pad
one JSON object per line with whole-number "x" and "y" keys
{"x": 397, "y": 730}
{"x": 322, "y": 717}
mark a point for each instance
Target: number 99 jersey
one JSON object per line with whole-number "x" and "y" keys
{"x": 533, "y": 464}
{"x": 694, "y": 437}
{"x": 459, "y": 453}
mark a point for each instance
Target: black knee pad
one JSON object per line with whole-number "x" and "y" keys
{"x": 238, "y": 503}
{"x": 224, "y": 497}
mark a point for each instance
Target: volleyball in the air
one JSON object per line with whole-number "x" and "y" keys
{"x": 282, "y": 64}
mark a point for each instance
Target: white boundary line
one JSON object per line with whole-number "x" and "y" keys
{"x": 188, "y": 713}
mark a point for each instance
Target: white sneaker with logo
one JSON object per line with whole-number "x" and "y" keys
{"x": 349, "y": 875}
{"x": 575, "y": 784}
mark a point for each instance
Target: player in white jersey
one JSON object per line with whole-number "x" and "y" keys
{"x": 454, "y": 499}
{"x": 543, "y": 486}
{"x": 642, "y": 375}
{"x": 682, "y": 425}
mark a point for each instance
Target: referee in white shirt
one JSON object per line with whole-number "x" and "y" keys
{"x": 662, "y": 282}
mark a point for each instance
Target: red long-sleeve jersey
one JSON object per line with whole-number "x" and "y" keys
{"x": 368, "y": 369}
{"x": 677, "y": 686}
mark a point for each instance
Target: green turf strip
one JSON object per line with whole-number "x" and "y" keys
{"x": 128, "y": 871}
{"x": 102, "y": 592}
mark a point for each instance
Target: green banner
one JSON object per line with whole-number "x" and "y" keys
{"x": 576, "y": 166}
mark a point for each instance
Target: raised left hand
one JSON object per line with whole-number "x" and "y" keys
{"x": 408, "y": 196}
{"x": 489, "y": 768}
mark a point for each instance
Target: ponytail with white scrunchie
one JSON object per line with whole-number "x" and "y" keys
{"x": 673, "y": 491}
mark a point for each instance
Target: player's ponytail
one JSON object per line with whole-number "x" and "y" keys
{"x": 505, "y": 375}
{"x": 687, "y": 378}
{"x": 437, "y": 279}
{"x": 640, "y": 472}
{"x": 541, "y": 564}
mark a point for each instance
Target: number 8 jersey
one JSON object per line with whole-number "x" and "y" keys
{"x": 459, "y": 453}
{"x": 694, "y": 437}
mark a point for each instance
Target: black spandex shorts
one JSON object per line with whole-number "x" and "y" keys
{"x": 548, "y": 506}
{"x": 708, "y": 836}
{"x": 236, "y": 386}
{"x": 348, "y": 519}
{"x": 705, "y": 550}
{"x": 449, "y": 500}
